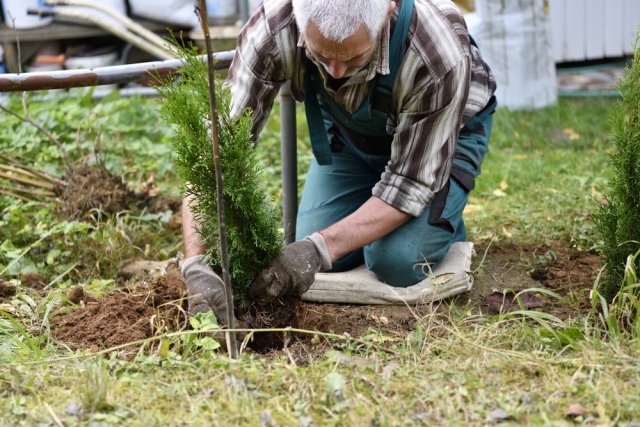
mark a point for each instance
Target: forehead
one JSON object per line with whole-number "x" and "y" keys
{"x": 354, "y": 45}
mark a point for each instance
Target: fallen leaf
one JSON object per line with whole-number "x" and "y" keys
{"x": 500, "y": 302}
{"x": 520, "y": 156}
{"x": 499, "y": 415}
{"x": 503, "y": 185}
{"x": 485, "y": 237}
{"x": 384, "y": 320}
{"x": 499, "y": 193}
{"x": 472, "y": 208}
{"x": 442, "y": 279}
{"x": 506, "y": 233}
{"x": 384, "y": 338}
{"x": 575, "y": 410}
{"x": 334, "y": 382}
{"x": 571, "y": 134}
{"x": 387, "y": 371}
{"x": 8, "y": 308}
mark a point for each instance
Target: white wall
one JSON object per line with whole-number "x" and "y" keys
{"x": 593, "y": 29}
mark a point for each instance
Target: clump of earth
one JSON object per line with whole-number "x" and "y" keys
{"x": 7, "y": 290}
{"x": 89, "y": 188}
{"x": 130, "y": 314}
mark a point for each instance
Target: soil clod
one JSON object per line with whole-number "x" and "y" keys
{"x": 34, "y": 280}
{"x": 7, "y": 290}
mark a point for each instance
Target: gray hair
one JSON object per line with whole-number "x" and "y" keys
{"x": 340, "y": 19}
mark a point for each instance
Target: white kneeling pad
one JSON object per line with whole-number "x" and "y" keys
{"x": 452, "y": 276}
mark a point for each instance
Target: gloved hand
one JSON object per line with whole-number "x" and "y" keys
{"x": 205, "y": 289}
{"x": 293, "y": 271}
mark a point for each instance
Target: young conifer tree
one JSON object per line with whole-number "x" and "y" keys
{"x": 250, "y": 216}
{"x": 618, "y": 220}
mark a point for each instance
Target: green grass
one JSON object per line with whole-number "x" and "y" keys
{"x": 458, "y": 367}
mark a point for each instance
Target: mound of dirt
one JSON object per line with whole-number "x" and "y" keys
{"x": 93, "y": 188}
{"x": 125, "y": 316}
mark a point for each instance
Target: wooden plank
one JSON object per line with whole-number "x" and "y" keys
{"x": 614, "y": 28}
{"x": 595, "y": 29}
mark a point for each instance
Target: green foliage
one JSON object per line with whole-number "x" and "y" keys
{"x": 618, "y": 220}
{"x": 620, "y": 318}
{"x": 251, "y": 220}
{"x": 133, "y": 143}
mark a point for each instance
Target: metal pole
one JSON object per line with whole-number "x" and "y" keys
{"x": 115, "y": 74}
{"x": 288, "y": 149}
{"x": 222, "y": 234}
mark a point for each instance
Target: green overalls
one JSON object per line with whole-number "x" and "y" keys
{"x": 352, "y": 150}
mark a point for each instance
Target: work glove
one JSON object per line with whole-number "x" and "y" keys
{"x": 205, "y": 290}
{"x": 293, "y": 271}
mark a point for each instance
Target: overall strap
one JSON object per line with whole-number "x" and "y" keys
{"x": 383, "y": 96}
{"x": 382, "y": 86}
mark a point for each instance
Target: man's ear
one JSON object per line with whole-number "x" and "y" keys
{"x": 392, "y": 7}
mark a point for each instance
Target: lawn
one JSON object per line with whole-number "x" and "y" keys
{"x": 460, "y": 362}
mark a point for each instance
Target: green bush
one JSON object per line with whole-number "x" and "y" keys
{"x": 618, "y": 218}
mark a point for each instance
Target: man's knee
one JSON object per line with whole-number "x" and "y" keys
{"x": 404, "y": 263}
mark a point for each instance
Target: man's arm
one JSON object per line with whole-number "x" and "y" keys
{"x": 293, "y": 271}
{"x": 372, "y": 221}
{"x": 193, "y": 245}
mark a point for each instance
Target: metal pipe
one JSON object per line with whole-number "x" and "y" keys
{"x": 288, "y": 150}
{"x": 140, "y": 42}
{"x": 115, "y": 74}
{"x": 128, "y": 23}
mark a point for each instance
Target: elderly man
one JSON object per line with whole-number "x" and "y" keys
{"x": 399, "y": 105}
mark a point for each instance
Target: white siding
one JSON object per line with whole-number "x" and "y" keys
{"x": 593, "y": 29}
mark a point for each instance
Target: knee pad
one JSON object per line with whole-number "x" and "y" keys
{"x": 402, "y": 264}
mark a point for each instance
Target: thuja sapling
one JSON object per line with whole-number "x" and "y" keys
{"x": 251, "y": 219}
{"x": 618, "y": 218}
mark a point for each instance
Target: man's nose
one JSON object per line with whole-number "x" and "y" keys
{"x": 337, "y": 69}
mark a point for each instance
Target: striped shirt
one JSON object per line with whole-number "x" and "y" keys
{"x": 442, "y": 82}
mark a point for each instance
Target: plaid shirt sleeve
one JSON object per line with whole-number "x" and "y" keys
{"x": 425, "y": 137}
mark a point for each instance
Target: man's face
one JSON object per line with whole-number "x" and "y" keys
{"x": 341, "y": 59}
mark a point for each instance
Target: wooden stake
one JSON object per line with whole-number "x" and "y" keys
{"x": 25, "y": 181}
{"x": 224, "y": 257}
{"x": 39, "y": 174}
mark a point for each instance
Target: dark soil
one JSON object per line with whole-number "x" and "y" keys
{"x": 34, "y": 280}
{"x": 128, "y": 314}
